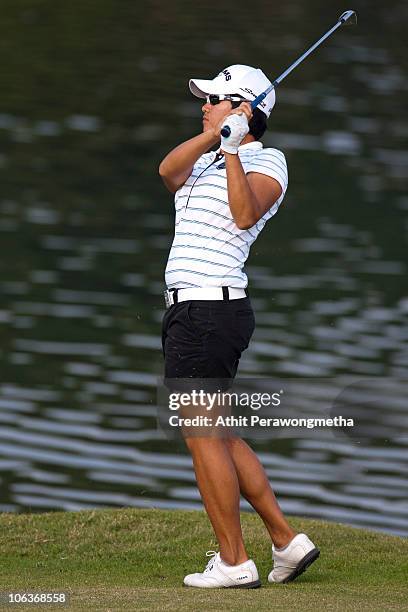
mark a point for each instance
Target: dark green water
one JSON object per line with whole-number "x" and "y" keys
{"x": 93, "y": 96}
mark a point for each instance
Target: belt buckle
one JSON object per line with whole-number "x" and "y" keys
{"x": 168, "y": 298}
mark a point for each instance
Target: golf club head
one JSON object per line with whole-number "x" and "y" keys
{"x": 348, "y": 18}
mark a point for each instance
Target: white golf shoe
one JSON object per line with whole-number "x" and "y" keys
{"x": 293, "y": 560}
{"x": 218, "y": 574}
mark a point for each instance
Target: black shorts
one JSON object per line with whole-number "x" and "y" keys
{"x": 205, "y": 339}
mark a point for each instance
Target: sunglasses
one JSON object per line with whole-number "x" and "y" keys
{"x": 216, "y": 99}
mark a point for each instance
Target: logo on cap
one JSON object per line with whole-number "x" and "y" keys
{"x": 247, "y": 90}
{"x": 227, "y": 75}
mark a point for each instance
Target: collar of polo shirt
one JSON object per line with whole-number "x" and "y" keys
{"x": 255, "y": 144}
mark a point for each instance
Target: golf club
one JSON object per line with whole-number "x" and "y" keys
{"x": 347, "y": 18}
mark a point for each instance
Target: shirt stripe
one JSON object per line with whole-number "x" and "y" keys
{"x": 200, "y": 197}
{"x": 212, "y": 238}
{"x": 189, "y": 246}
{"x": 217, "y": 227}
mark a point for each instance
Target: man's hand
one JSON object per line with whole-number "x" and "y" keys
{"x": 244, "y": 112}
{"x": 238, "y": 125}
{"x": 237, "y": 121}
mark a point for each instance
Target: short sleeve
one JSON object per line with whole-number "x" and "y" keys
{"x": 271, "y": 162}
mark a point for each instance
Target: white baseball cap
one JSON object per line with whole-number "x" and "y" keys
{"x": 240, "y": 80}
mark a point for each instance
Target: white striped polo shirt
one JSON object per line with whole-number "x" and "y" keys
{"x": 209, "y": 250}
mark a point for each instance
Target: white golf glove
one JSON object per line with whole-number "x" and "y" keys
{"x": 238, "y": 125}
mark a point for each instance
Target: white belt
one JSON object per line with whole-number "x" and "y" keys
{"x": 173, "y": 296}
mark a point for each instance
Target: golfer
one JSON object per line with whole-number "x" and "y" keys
{"x": 223, "y": 199}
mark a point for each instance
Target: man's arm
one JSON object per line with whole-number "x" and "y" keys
{"x": 177, "y": 166}
{"x": 250, "y": 196}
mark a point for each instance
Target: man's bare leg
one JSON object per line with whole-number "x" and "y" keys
{"x": 218, "y": 484}
{"x": 254, "y": 486}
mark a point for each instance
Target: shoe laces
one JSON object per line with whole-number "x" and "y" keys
{"x": 210, "y": 564}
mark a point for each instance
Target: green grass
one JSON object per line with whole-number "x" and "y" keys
{"x": 132, "y": 559}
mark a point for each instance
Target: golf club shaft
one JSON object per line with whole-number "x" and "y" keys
{"x": 226, "y": 130}
{"x": 280, "y": 78}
